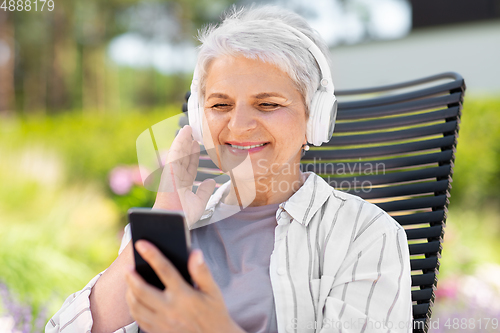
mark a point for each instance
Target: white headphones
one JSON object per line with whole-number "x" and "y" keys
{"x": 323, "y": 109}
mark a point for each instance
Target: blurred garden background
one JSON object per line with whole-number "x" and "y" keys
{"x": 80, "y": 82}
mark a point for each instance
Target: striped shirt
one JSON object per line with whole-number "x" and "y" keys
{"x": 339, "y": 264}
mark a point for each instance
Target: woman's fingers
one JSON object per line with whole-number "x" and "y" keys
{"x": 200, "y": 273}
{"x": 184, "y": 156}
{"x": 205, "y": 190}
{"x": 141, "y": 293}
{"x": 143, "y": 315}
{"x": 194, "y": 159}
{"x": 181, "y": 147}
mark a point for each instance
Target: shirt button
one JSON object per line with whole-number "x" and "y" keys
{"x": 281, "y": 270}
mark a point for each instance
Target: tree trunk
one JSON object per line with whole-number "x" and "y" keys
{"x": 58, "y": 80}
{"x": 7, "y": 53}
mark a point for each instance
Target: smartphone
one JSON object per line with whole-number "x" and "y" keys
{"x": 168, "y": 231}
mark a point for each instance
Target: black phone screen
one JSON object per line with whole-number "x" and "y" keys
{"x": 168, "y": 231}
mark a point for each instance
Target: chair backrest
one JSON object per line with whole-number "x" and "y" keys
{"x": 395, "y": 147}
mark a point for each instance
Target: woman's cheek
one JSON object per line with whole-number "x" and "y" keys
{"x": 209, "y": 132}
{"x": 210, "y": 137}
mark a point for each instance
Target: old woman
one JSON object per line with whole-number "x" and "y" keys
{"x": 277, "y": 250}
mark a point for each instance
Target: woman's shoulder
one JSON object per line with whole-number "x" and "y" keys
{"x": 352, "y": 211}
{"x": 365, "y": 209}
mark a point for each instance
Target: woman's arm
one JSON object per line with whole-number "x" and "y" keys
{"x": 107, "y": 298}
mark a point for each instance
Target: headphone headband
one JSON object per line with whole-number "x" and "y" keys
{"x": 326, "y": 76}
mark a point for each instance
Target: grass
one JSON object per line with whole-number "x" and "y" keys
{"x": 55, "y": 237}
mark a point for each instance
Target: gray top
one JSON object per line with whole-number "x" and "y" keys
{"x": 238, "y": 249}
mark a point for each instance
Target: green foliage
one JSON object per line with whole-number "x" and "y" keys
{"x": 147, "y": 87}
{"x": 477, "y": 170}
{"x": 59, "y": 222}
{"x": 471, "y": 239}
{"x": 55, "y": 237}
{"x": 90, "y": 143}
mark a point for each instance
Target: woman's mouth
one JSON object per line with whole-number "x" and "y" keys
{"x": 244, "y": 148}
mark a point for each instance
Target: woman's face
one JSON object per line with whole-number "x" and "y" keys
{"x": 252, "y": 103}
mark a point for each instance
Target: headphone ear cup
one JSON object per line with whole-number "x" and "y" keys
{"x": 311, "y": 122}
{"x": 328, "y": 113}
{"x": 194, "y": 116}
{"x": 321, "y": 118}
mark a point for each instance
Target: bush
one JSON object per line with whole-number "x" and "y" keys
{"x": 477, "y": 170}
{"x": 60, "y": 223}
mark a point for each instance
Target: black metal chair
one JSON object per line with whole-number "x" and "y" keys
{"x": 395, "y": 146}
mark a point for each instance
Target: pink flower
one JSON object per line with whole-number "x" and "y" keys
{"x": 447, "y": 289}
{"x": 121, "y": 179}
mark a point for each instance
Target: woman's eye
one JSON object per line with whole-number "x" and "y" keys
{"x": 269, "y": 105}
{"x": 220, "y": 106}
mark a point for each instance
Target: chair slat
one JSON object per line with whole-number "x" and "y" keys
{"x": 201, "y": 176}
{"x": 384, "y": 123}
{"x": 418, "y": 218}
{"x": 422, "y": 233}
{"x": 427, "y": 279}
{"x": 401, "y": 190}
{"x": 183, "y": 121}
{"x": 420, "y": 295}
{"x": 380, "y": 137}
{"x": 340, "y": 154}
{"x": 207, "y": 164}
{"x": 424, "y": 264}
{"x": 401, "y": 85}
{"x": 418, "y": 203}
{"x": 420, "y": 310}
{"x": 389, "y": 178}
{"x": 367, "y": 166}
{"x": 344, "y": 113}
{"x": 392, "y": 99}
{"x": 425, "y": 248}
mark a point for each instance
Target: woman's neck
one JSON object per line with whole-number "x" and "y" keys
{"x": 263, "y": 191}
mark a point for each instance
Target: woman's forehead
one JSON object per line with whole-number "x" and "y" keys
{"x": 253, "y": 76}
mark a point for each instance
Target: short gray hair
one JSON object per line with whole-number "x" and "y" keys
{"x": 261, "y": 32}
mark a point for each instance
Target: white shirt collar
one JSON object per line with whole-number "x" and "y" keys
{"x": 301, "y": 206}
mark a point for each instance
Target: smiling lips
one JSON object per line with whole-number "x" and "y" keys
{"x": 250, "y": 147}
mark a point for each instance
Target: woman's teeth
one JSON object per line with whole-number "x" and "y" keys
{"x": 247, "y": 147}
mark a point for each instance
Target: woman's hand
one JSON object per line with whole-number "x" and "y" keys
{"x": 180, "y": 307}
{"x": 179, "y": 173}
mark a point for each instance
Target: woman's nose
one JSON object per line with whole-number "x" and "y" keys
{"x": 242, "y": 119}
